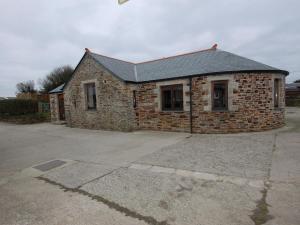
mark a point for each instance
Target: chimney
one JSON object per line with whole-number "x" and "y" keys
{"x": 214, "y": 47}
{"x": 87, "y": 50}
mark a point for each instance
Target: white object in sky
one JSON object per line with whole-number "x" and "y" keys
{"x": 122, "y": 1}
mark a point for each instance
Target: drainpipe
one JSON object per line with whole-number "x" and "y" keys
{"x": 191, "y": 107}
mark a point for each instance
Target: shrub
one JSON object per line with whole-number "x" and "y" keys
{"x": 26, "y": 118}
{"x": 14, "y": 107}
{"x": 293, "y": 102}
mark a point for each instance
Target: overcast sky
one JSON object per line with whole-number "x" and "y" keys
{"x": 37, "y": 35}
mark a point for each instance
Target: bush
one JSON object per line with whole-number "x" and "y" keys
{"x": 26, "y": 119}
{"x": 293, "y": 102}
{"x": 13, "y": 107}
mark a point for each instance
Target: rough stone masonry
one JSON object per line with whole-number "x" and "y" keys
{"x": 250, "y": 102}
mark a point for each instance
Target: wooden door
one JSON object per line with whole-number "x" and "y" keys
{"x": 61, "y": 106}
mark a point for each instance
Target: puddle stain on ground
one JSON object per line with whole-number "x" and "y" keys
{"x": 261, "y": 212}
{"x": 163, "y": 204}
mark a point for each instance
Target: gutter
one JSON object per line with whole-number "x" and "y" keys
{"x": 191, "y": 106}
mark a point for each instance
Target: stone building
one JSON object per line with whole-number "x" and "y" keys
{"x": 292, "y": 94}
{"x": 208, "y": 91}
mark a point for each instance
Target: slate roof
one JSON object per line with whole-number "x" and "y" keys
{"x": 59, "y": 89}
{"x": 122, "y": 69}
{"x": 293, "y": 87}
{"x": 205, "y": 62}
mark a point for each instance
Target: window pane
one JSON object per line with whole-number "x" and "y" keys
{"x": 91, "y": 96}
{"x": 172, "y": 97}
{"x": 178, "y": 98}
{"x": 276, "y": 93}
{"x": 220, "y": 95}
{"x": 134, "y": 99}
{"x": 167, "y": 99}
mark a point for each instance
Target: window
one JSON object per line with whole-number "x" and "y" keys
{"x": 276, "y": 93}
{"x": 172, "y": 97}
{"x": 90, "y": 91}
{"x": 220, "y": 95}
{"x": 134, "y": 99}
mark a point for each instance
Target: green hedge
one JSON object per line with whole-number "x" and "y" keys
{"x": 26, "y": 118}
{"x": 14, "y": 107}
{"x": 292, "y": 102}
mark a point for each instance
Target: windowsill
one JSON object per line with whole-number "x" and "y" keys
{"x": 91, "y": 110}
{"x": 220, "y": 110}
{"x": 172, "y": 111}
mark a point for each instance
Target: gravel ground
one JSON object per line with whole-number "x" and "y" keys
{"x": 242, "y": 155}
{"x": 177, "y": 200}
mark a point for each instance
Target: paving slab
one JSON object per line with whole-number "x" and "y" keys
{"x": 286, "y": 158}
{"x": 29, "y": 201}
{"x": 176, "y": 199}
{"x": 200, "y": 175}
{"x": 283, "y": 200}
{"x": 242, "y": 155}
{"x": 77, "y": 174}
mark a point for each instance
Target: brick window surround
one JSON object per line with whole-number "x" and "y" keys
{"x": 172, "y": 97}
{"x": 208, "y": 97}
{"x": 83, "y": 86}
{"x": 219, "y": 92}
{"x": 185, "y": 93}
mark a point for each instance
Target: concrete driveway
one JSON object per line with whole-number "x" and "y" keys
{"x": 149, "y": 177}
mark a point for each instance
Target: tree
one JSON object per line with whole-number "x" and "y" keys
{"x": 26, "y": 87}
{"x": 297, "y": 81}
{"x": 56, "y": 77}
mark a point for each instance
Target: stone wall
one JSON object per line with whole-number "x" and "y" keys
{"x": 54, "y": 111}
{"x": 114, "y": 99}
{"x": 150, "y": 115}
{"x": 250, "y": 105}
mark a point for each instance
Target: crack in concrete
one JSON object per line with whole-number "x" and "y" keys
{"x": 261, "y": 212}
{"x": 97, "y": 178}
{"x": 148, "y": 219}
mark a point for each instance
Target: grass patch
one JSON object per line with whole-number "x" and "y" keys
{"x": 26, "y": 118}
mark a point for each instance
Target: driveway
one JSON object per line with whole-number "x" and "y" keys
{"x": 102, "y": 177}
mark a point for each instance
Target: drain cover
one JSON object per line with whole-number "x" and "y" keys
{"x": 49, "y": 165}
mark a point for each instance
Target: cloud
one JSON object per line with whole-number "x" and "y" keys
{"x": 36, "y": 36}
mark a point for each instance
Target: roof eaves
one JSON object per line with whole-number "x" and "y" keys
{"x": 58, "y": 89}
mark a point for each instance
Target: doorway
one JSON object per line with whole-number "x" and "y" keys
{"x": 61, "y": 107}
